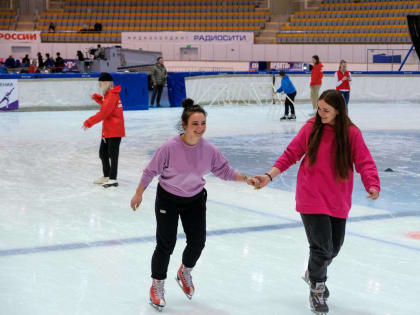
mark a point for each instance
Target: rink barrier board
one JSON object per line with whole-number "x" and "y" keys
{"x": 370, "y": 86}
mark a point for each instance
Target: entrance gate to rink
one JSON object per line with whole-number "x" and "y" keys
{"x": 237, "y": 93}
{"x": 237, "y": 89}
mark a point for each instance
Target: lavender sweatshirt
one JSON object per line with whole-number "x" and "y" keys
{"x": 181, "y": 166}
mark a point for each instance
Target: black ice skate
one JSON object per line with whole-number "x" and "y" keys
{"x": 283, "y": 118}
{"x": 306, "y": 279}
{"x": 316, "y": 299}
{"x": 292, "y": 117}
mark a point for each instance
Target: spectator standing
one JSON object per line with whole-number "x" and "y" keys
{"x": 158, "y": 76}
{"x": 59, "y": 63}
{"x": 10, "y": 62}
{"x": 40, "y": 61}
{"x": 343, "y": 79}
{"x": 316, "y": 81}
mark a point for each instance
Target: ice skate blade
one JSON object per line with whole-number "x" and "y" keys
{"x": 311, "y": 307}
{"x": 189, "y": 296}
{"x": 306, "y": 280}
{"x": 156, "y": 307}
{"x": 109, "y": 185}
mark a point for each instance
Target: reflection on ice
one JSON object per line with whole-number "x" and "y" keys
{"x": 70, "y": 247}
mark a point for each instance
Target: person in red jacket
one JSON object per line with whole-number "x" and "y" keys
{"x": 111, "y": 113}
{"x": 331, "y": 147}
{"x": 316, "y": 81}
{"x": 343, "y": 79}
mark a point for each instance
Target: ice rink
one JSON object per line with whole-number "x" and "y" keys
{"x": 68, "y": 247}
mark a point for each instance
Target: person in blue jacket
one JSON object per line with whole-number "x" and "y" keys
{"x": 289, "y": 89}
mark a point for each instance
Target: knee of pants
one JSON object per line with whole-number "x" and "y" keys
{"x": 102, "y": 155}
{"x": 166, "y": 249}
{"x": 321, "y": 254}
{"x": 197, "y": 246}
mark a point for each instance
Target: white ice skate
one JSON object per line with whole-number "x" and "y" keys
{"x": 101, "y": 180}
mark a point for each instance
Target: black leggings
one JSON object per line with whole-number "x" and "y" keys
{"x": 168, "y": 208}
{"x": 325, "y": 236}
{"x": 109, "y": 150}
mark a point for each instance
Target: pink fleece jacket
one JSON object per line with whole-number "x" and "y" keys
{"x": 317, "y": 190}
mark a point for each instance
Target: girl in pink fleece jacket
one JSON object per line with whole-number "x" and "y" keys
{"x": 331, "y": 145}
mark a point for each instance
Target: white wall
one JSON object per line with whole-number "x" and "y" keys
{"x": 223, "y": 52}
{"x": 259, "y": 52}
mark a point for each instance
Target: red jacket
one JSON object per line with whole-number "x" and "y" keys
{"x": 317, "y": 74}
{"x": 342, "y": 85}
{"x": 111, "y": 113}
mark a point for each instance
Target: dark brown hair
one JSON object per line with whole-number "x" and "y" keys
{"x": 189, "y": 109}
{"x": 316, "y": 59}
{"x": 342, "y": 156}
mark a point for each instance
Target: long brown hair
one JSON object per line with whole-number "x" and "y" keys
{"x": 342, "y": 157}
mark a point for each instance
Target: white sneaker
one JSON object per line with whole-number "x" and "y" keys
{"x": 101, "y": 180}
{"x": 110, "y": 183}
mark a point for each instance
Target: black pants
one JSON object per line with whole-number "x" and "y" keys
{"x": 288, "y": 104}
{"x": 157, "y": 89}
{"x": 109, "y": 150}
{"x": 325, "y": 236}
{"x": 168, "y": 208}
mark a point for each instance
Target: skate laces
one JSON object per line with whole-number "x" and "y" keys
{"x": 159, "y": 288}
{"x": 319, "y": 291}
{"x": 186, "y": 274}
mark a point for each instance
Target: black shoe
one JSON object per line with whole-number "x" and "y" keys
{"x": 283, "y": 118}
{"x": 317, "y": 298}
{"x": 292, "y": 117}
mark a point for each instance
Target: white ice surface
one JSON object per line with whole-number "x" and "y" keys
{"x": 70, "y": 247}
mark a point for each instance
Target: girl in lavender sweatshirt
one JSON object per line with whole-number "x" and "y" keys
{"x": 181, "y": 163}
{"x": 331, "y": 145}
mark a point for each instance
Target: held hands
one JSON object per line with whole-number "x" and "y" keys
{"x": 136, "y": 201}
{"x": 373, "y": 194}
{"x": 260, "y": 181}
{"x": 252, "y": 181}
